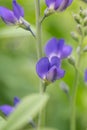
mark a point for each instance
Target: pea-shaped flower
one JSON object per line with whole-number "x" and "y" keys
{"x": 12, "y": 17}
{"x": 49, "y": 70}
{"x": 7, "y": 109}
{"x": 15, "y": 16}
{"x": 58, "y": 48}
{"x": 58, "y": 5}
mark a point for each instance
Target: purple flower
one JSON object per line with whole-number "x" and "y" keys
{"x": 7, "y": 109}
{"x": 57, "y": 5}
{"x": 14, "y": 16}
{"x": 85, "y": 76}
{"x": 49, "y": 70}
{"x": 58, "y": 48}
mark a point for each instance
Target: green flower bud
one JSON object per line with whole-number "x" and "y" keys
{"x": 85, "y": 31}
{"x": 64, "y": 87}
{"x": 85, "y": 21}
{"x": 77, "y": 18}
{"x": 85, "y": 49}
{"x": 71, "y": 60}
{"x": 79, "y": 29}
{"x": 75, "y": 36}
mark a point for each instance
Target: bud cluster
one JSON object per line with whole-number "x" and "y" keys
{"x": 81, "y": 27}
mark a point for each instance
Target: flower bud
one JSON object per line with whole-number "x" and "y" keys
{"x": 75, "y": 36}
{"x": 85, "y": 49}
{"x": 85, "y": 31}
{"x": 79, "y": 29}
{"x": 84, "y": 13}
{"x": 77, "y": 18}
{"x": 71, "y": 60}
{"x": 85, "y": 21}
{"x": 64, "y": 87}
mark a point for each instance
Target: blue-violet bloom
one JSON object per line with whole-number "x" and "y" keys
{"x": 49, "y": 71}
{"x": 7, "y": 109}
{"x": 57, "y": 5}
{"x": 58, "y": 48}
{"x": 15, "y": 16}
{"x": 85, "y": 76}
{"x": 12, "y": 16}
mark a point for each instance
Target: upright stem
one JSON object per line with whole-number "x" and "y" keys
{"x": 75, "y": 87}
{"x": 38, "y": 29}
{"x": 39, "y": 49}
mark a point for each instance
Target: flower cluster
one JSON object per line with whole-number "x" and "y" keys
{"x": 49, "y": 68}
{"x": 7, "y": 109}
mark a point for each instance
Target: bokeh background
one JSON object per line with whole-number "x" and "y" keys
{"x": 18, "y": 59}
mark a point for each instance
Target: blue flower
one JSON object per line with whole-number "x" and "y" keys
{"x": 7, "y": 109}
{"x": 58, "y": 48}
{"x": 12, "y": 16}
{"x": 57, "y": 5}
{"x": 49, "y": 71}
{"x": 49, "y": 68}
{"x": 85, "y": 76}
{"x": 15, "y": 16}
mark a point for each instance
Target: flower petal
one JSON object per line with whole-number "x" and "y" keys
{"x": 57, "y": 4}
{"x": 67, "y": 50}
{"x": 60, "y": 45}
{"x": 49, "y": 2}
{"x": 70, "y": 1}
{"x": 55, "y": 61}
{"x": 63, "y": 5}
{"x": 51, "y": 47}
{"x": 17, "y": 9}
{"x": 52, "y": 74}
{"x": 85, "y": 76}
{"x": 6, "y": 109}
{"x": 42, "y": 67}
{"x": 60, "y": 73}
{"x": 55, "y": 73}
{"x": 16, "y": 100}
{"x": 7, "y": 15}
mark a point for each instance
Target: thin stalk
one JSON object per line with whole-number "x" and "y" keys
{"x": 38, "y": 29}
{"x": 75, "y": 87}
{"x": 39, "y": 49}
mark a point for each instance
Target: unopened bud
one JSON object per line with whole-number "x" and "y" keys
{"x": 85, "y": 49}
{"x": 75, "y": 36}
{"x": 85, "y": 21}
{"x": 84, "y": 13}
{"x": 79, "y": 29}
{"x": 85, "y": 31}
{"x": 77, "y": 18}
{"x": 71, "y": 60}
{"x": 64, "y": 87}
{"x": 78, "y": 50}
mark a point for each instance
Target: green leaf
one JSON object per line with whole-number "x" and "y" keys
{"x": 28, "y": 107}
{"x": 2, "y": 122}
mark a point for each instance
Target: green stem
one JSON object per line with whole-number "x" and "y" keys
{"x": 39, "y": 49}
{"x": 75, "y": 87}
{"x": 38, "y": 29}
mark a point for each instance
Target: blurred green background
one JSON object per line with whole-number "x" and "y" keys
{"x": 18, "y": 58}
